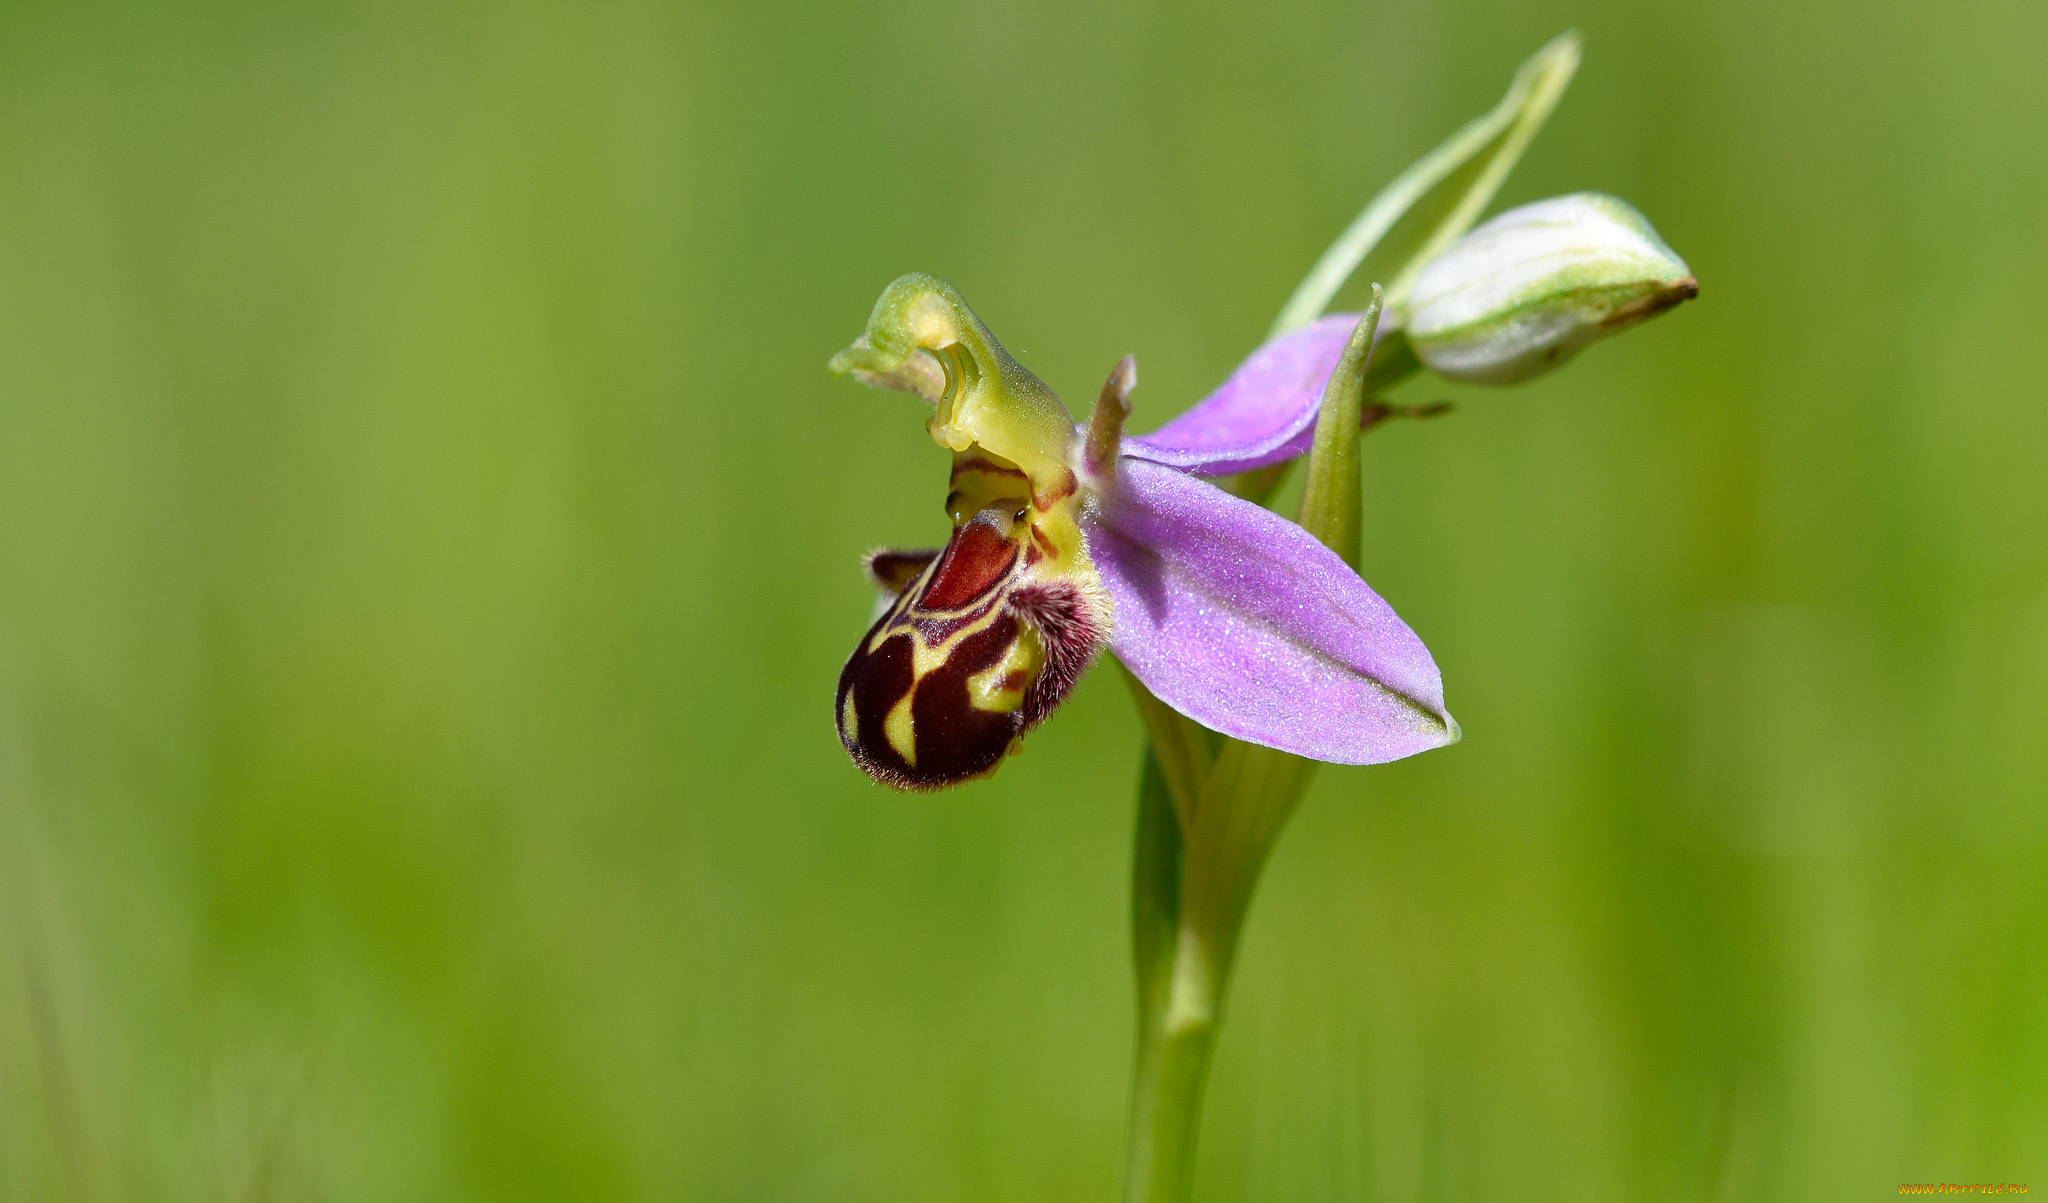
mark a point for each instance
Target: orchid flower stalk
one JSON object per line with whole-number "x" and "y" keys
{"x": 1253, "y": 647}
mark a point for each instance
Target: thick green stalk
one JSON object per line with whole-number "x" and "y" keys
{"x": 1165, "y": 1112}
{"x": 1166, "y": 1075}
{"x": 1252, "y": 792}
{"x": 1204, "y": 830}
{"x": 1155, "y": 893}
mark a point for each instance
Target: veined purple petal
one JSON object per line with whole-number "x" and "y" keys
{"x": 1264, "y": 414}
{"x": 1242, "y": 621}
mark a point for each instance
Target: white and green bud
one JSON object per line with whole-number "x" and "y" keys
{"x": 1524, "y": 292}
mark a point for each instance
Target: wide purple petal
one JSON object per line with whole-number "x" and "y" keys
{"x": 1264, "y": 414}
{"x": 1242, "y": 621}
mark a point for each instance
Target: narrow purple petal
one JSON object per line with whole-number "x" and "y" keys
{"x": 1263, "y": 414}
{"x": 1242, "y": 621}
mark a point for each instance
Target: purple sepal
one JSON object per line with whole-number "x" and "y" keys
{"x": 1264, "y": 414}
{"x": 1242, "y": 621}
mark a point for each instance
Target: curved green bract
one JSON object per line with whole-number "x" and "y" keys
{"x": 1446, "y": 189}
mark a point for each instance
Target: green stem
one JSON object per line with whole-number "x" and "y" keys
{"x": 1166, "y": 1109}
{"x": 1155, "y": 895}
{"x": 1250, "y": 793}
{"x": 1176, "y": 1035}
{"x": 1205, "y": 825}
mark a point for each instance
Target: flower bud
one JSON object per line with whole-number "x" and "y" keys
{"x": 1522, "y": 293}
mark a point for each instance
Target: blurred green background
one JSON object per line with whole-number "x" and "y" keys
{"x": 428, "y": 541}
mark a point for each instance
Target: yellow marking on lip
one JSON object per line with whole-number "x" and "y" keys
{"x": 926, "y": 656}
{"x": 923, "y": 659}
{"x": 992, "y": 689}
{"x": 901, "y": 729}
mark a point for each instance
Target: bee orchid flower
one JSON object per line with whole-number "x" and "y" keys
{"x": 1071, "y": 539}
